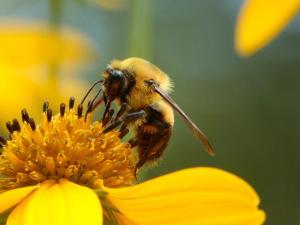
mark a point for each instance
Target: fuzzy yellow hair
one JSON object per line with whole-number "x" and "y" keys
{"x": 144, "y": 70}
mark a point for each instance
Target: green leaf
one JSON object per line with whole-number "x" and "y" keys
{"x": 141, "y": 33}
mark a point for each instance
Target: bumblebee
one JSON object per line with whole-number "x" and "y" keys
{"x": 142, "y": 90}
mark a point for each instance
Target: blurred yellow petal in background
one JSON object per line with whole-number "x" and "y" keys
{"x": 15, "y": 89}
{"x": 26, "y": 44}
{"x": 29, "y": 50}
{"x": 260, "y": 21}
{"x": 18, "y": 91}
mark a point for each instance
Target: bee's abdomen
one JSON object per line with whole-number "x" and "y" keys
{"x": 152, "y": 141}
{"x": 153, "y": 136}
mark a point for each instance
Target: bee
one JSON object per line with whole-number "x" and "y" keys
{"x": 142, "y": 90}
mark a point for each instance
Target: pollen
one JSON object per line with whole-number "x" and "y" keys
{"x": 67, "y": 145}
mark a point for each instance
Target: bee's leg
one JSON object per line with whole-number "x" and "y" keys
{"x": 126, "y": 119}
{"x": 96, "y": 103}
{"x": 123, "y": 132}
{"x": 123, "y": 109}
{"x": 107, "y": 107}
{"x": 108, "y": 117}
{"x": 123, "y": 127}
{"x": 142, "y": 159}
{"x": 133, "y": 142}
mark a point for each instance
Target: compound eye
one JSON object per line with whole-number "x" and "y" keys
{"x": 149, "y": 82}
{"x": 118, "y": 73}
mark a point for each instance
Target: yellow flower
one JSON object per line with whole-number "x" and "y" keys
{"x": 260, "y": 21}
{"x": 28, "y": 50}
{"x": 66, "y": 170}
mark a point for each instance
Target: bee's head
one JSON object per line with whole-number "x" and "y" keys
{"x": 116, "y": 83}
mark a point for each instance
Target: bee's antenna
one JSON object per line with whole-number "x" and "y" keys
{"x": 89, "y": 91}
{"x": 91, "y": 103}
{"x": 96, "y": 96}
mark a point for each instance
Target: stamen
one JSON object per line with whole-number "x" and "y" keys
{"x": 49, "y": 115}
{"x": 16, "y": 125}
{"x": 37, "y": 176}
{"x": 61, "y": 159}
{"x": 25, "y": 116}
{"x": 62, "y": 109}
{"x": 50, "y": 166}
{"x": 2, "y": 140}
{"x": 45, "y": 106}
{"x": 65, "y": 146}
{"x": 9, "y": 127}
{"x": 32, "y": 124}
{"x": 71, "y": 102}
{"x": 79, "y": 110}
{"x": 71, "y": 171}
{"x": 23, "y": 178}
{"x": 30, "y": 166}
{"x": 89, "y": 175}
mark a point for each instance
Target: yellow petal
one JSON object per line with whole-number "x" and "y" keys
{"x": 11, "y": 198}
{"x": 24, "y": 213}
{"x": 55, "y": 200}
{"x": 260, "y": 21}
{"x": 35, "y": 92}
{"x": 83, "y": 204}
{"x": 10, "y": 94}
{"x": 15, "y": 216}
{"x": 194, "y": 196}
{"x": 60, "y": 203}
{"x": 193, "y": 179}
{"x": 27, "y": 212}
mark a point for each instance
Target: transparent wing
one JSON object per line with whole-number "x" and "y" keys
{"x": 196, "y": 131}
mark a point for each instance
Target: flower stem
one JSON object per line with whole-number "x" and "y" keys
{"x": 55, "y": 13}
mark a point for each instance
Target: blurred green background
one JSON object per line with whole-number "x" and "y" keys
{"x": 249, "y": 107}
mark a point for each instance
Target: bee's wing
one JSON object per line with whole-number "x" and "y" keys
{"x": 196, "y": 131}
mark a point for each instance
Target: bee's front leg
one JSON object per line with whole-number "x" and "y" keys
{"x": 125, "y": 120}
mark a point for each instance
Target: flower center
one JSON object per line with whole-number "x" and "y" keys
{"x": 68, "y": 145}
